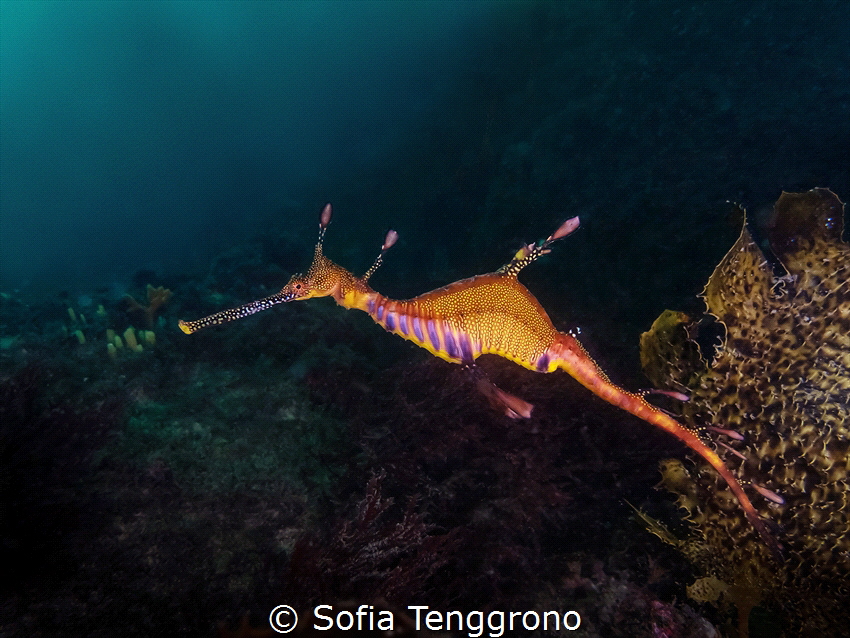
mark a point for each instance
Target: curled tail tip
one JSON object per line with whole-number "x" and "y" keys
{"x": 777, "y": 551}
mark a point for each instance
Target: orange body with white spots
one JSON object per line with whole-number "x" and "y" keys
{"x": 487, "y": 314}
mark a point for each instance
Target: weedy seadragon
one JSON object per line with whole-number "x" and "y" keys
{"x": 487, "y": 314}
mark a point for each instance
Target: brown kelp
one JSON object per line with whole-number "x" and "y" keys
{"x": 774, "y": 394}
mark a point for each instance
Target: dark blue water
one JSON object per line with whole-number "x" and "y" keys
{"x": 156, "y": 134}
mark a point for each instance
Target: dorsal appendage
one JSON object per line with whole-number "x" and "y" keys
{"x": 486, "y": 314}
{"x": 531, "y": 252}
{"x": 389, "y": 240}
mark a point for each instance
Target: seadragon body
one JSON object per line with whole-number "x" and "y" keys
{"x": 487, "y": 314}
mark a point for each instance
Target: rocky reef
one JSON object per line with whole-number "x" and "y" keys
{"x": 774, "y": 393}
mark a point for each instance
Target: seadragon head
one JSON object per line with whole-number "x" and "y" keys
{"x": 323, "y": 279}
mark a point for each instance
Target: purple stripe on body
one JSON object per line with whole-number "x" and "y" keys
{"x": 402, "y": 324}
{"x": 433, "y": 335}
{"x": 380, "y": 313}
{"x": 370, "y": 305}
{"x": 451, "y": 346}
{"x": 390, "y": 321}
{"x": 543, "y": 362}
{"x": 417, "y": 329}
{"x": 465, "y": 348}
